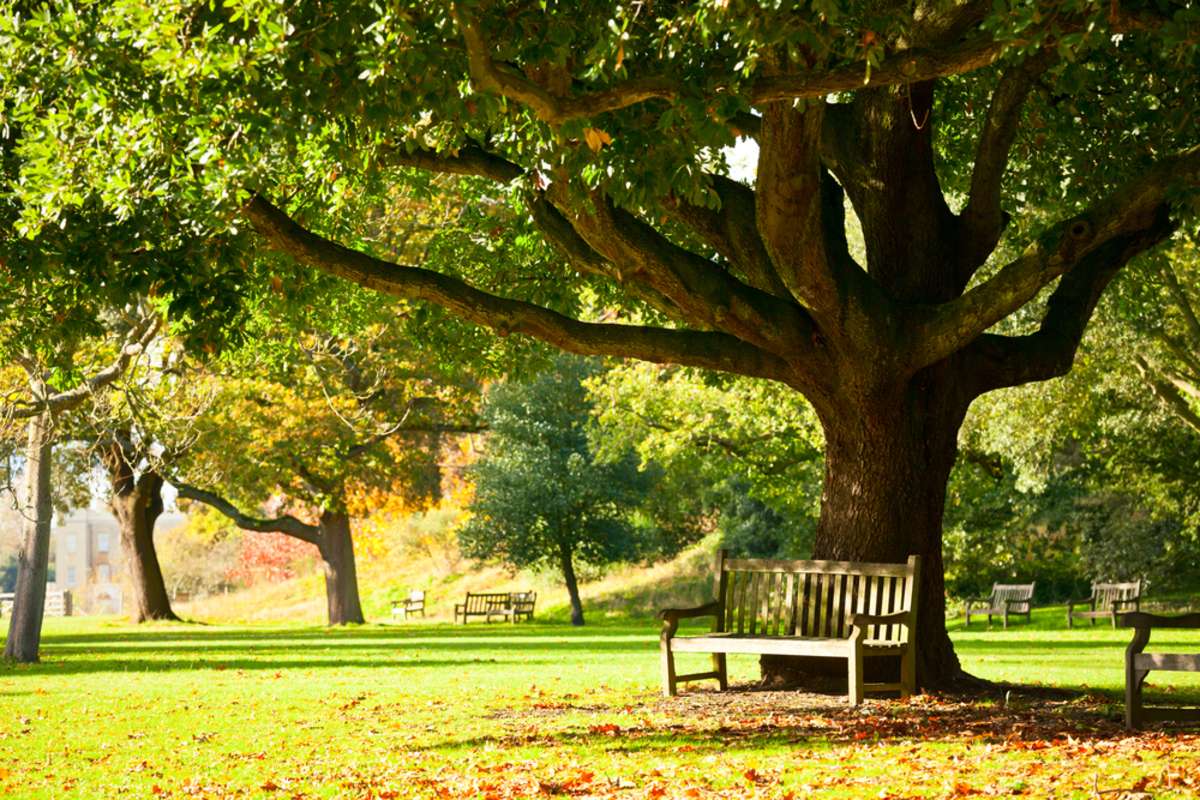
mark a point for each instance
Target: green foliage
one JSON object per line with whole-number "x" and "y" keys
{"x": 541, "y": 495}
{"x": 747, "y": 451}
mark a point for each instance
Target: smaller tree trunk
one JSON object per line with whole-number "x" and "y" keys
{"x": 33, "y": 562}
{"x": 137, "y": 505}
{"x": 341, "y": 576}
{"x": 568, "y": 571}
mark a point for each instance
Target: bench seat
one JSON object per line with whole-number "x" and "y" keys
{"x": 775, "y": 645}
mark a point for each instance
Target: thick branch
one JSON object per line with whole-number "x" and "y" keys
{"x": 732, "y": 231}
{"x": 662, "y": 345}
{"x": 136, "y": 341}
{"x": 994, "y": 361}
{"x": 983, "y": 219}
{"x": 1135, "y": 208}
{"x": 285, "y": 524}
{"x": 469, "y": 160}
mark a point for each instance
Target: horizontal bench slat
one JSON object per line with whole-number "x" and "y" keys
{"x": 697, "y": 676}
{"x": 814, "y": 567}
{"x": 770, "y": 645}
{"x": 1164, "y": 714}
{"x": 1171, "y": 662}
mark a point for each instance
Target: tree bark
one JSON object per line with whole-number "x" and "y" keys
{"x": 568, "y": 572}
{"x": 25, "y": 625}
{"x": 887, "y": 464}
{"x": 341, "y": 575}
{"x": 137, "y": 505}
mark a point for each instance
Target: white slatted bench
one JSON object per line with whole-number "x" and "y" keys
{"x": 830, "y": 609}
{"x": 1138, "y": 665}
{"x": 1107, "y": 600}
{"x": 1005, "y": 599}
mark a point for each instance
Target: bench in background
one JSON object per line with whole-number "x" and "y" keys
{"x": 411, "y": 603}
{"x": 1107, "y": 600}
{"x": 1006, "y": 599}
{"x": 830, "y": 609}
{"x": 509, "y": 605}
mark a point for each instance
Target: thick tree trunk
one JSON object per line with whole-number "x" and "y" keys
{"x": 25, "y": 625}
{"x": 568, "y": 571}
{"x": 887, "y": 464}
{"x": 341, "y": 575}
{"x": 137, "y": 505}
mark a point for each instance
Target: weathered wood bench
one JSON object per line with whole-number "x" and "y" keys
{"x": 1138, "y": 665}
{"x": 830, "y": 609}
{"x": 411, "y": 603}
{"x": 519, "y": 605}
{"x": 506, "y": 605}
{"x": 1107, "y": 600}
{"x": 1006, "y": 599}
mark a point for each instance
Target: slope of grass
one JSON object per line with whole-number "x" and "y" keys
{"x": 622, "y": 592}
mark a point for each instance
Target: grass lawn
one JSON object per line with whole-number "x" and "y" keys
{"x": 543, "y": 710}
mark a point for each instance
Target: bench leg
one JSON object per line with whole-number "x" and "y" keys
{"x": 1134, "y": 678}
{"x": 718, "y": 660}
{"x": 668, "y": 668}
{"x": 1005, "y": 620}
{"x": 908, "y": 671}
{"x": 855, "y": 676}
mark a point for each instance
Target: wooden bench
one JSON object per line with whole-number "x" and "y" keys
{"x": 520, "y": 605}
{"x": 830, "y": 609}
{"x": 413, "y": 602}
{"x": 510, "y": 605}
{"x": 1107, "y": 600}
{"x": 1138, "y": 665}
{"x": 1006, "y": 599}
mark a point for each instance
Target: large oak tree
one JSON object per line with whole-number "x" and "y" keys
{"x": 1003, "y": 161}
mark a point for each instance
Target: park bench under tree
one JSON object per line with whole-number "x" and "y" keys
{"x": 1006, "y": 599}
{"x": 1107, "y": 601}
{"x": 411, "y": 603}
{"x": 510, "y": 605}
{"x": 1138, "y": 665}
{"x": 830, "y": 609}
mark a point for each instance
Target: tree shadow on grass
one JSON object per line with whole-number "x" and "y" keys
{"x": 52, "y": 666}
{"x": 757, "y": 720}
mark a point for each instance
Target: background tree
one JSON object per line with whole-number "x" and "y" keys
{"x": 328, "y": 423}
{"x": 991, "y": 152}
{"x": 541, "y": 496}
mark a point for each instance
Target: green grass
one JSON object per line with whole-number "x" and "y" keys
{"x": 433, "y": 710}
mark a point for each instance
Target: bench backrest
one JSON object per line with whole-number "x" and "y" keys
{"x": 1104, "y": 594}
{"x": 774, "y": 597}
{"x": 479, "y": 603}
{"x": 523, "y": 601}
{"x": 416, "y": 596}
{"x": 1021, "y": 595}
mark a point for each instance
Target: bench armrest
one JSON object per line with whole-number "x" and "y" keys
{"x": 676, "y": 614}
{"x": 1011, "y": 603}
{"x": 1126, "y": 601}
{"x": 670, "y": 616}
{"x": 863, "y": 620}
{"x": 1141, "y": 619}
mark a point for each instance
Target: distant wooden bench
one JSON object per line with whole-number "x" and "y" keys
{"x": 411, "y": 603}
{"x": 830, "y": 609}
{"x": 1006, "y": 599}
{"x": 1107, "y": 600}
{"x": 1138, "y": 665}
{"x": 509, "y": 605}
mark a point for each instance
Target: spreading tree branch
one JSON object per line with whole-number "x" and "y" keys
{"x": 982, "y": 219}
{"x": 711, "y": 350}
{"x": 136, "y": 341}
{"x": 994, "y": 361}
{"x": 1127, "y": 214}
{"x": 286, "y": 524}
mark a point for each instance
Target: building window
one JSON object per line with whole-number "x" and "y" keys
{"x": 104, "y": 573}
{"x": 70, "y": 543}
{"x": 70, "y": 576}
{"x": 102, "y": 543}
